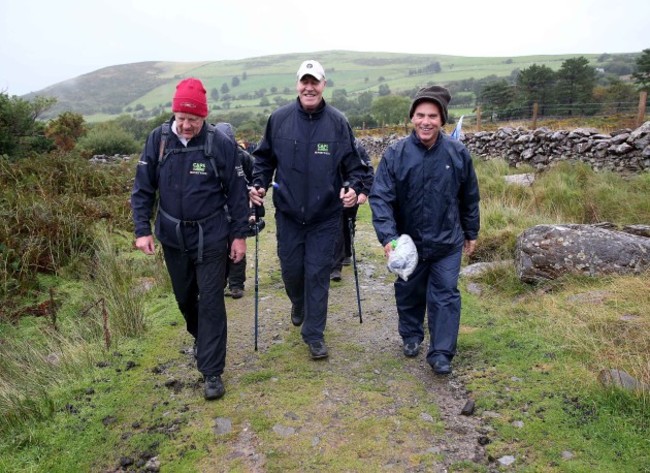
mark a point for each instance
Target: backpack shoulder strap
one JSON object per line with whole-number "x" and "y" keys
{"x": 163, "y": 141}
{"x": 208, "y": 152}
{"x": 209, "y": 141}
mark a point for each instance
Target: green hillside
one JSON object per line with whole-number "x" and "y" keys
{"x": 147, "y": 87}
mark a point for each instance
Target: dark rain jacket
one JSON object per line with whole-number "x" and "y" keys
{"x": 367, "y": 181}
{"x": 430, "y": 194}
{"x": 311, "y": 154}
{"x": 188, "y": 189}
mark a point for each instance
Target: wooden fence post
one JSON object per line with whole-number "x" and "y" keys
{"x": 535, "y": 110}
{"x": 478, "y": 118}
{"x": 643, "y": 98}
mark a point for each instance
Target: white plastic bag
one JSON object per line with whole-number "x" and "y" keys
{"x": 404, "y": 257}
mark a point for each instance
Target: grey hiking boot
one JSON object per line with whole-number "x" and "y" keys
{"x": 411, "y": 349}
{"x": 214, "y": 388}
{"x": 335, "y": 275}
{"x": 318, "y": 350}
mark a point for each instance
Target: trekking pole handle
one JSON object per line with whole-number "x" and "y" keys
{"x": 346, "y": 186}
{"x": 257, "y": 188}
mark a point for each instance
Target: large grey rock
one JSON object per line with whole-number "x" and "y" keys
{"x": 546, "y": 252}
{"x": 620, "y": 379}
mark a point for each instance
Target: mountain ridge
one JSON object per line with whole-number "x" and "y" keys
{"x": 149, "y": 85}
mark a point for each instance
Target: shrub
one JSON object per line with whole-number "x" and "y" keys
{"x": 65, "y": 130}
{"x": 50, "y": 204}
{"x": 108, "y": 139}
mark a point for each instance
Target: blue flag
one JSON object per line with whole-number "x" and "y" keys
{"x": 456, "y": 133}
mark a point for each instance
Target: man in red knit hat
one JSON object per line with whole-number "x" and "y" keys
{"x": 192, "y": 171}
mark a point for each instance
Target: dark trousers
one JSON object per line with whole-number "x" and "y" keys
{"x": 344, "y": 242}
{"x": 432, "y": 288}
{"x": 236, "y": 274}
{"x": 305, "y": 253}
{"x": 198, "y": 288}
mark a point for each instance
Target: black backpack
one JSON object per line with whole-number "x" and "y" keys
{"x": 207, "y": 149}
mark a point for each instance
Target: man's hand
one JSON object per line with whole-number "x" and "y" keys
{"x": 256, "y": 195}
{"x": 145, "y": 244}
{"x": 349, "y": 198}
{"x": 388, "y": 248}
{"x": 362, "y": 199}
{"x": 469, "y": 247}
{"x": 238, "y": 250}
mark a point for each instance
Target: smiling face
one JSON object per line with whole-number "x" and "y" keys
{"x": 310, "y": 92}
{"x": 427, "y": 122}
{"x": 188, "y": 125}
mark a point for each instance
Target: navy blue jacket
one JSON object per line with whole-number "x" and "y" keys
{"x": 188, "y": 189}
{"x": 430, "y": 194}
{"x": 311, "y": 155}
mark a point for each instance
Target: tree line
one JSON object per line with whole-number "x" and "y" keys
{"x": 572, "y": 90}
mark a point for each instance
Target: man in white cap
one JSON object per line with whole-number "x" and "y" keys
{"x": 309, "y": 147}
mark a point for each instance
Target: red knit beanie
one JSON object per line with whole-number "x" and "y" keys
{"x": 190, "y": 98}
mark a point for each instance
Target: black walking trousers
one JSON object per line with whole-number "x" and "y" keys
{"x": 198, "y": 288}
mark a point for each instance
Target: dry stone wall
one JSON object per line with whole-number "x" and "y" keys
{"x": 625, "y": 151}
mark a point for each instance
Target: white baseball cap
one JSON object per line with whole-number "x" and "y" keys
{"x": 311, "y": 68}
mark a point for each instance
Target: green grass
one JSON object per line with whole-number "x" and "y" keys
{"x": 525, "y": 364}
{"x": 530, "y": 357}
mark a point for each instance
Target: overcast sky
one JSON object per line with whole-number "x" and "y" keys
{"x": 45, "y": 42}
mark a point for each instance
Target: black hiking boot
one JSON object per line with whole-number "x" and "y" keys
{"x": 214, "y": 388}
{"x": 297, "y": 315}
{"x": 441, "y": 365}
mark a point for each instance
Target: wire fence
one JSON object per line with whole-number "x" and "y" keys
{"x": 632, "y": 114}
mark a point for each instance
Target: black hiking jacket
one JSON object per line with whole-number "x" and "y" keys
{"x": 311, "y": 155}
{"x": 186, "y": 187}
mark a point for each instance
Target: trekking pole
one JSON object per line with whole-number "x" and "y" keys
{"x": 346, "y": 186}
{"x": 257, "y": 278}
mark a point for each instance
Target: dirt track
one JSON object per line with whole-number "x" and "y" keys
{"x": 463, "y": 434}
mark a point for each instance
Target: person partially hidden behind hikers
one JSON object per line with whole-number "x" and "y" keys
{"x": 236, "y": 271}
{"x": 309, "y": 146}
{"x": 425, "y": 186}
{"x": 343, "y": 253}
{"x": 192, "y": 171}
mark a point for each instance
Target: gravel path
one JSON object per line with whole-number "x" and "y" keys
{"x": 463, "y": 434}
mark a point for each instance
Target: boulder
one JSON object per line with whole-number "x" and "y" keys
{"x": 546, "y": 252}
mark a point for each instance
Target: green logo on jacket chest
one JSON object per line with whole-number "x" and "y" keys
{"x": 198, "y": 168}
{"x": 322, "y": 148}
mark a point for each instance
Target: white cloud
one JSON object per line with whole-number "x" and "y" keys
{"x": 45, "y": 42}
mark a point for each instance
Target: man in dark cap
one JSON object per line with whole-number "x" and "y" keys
{"x": 425, "y": 186}
{"x": 192, "y": 172}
